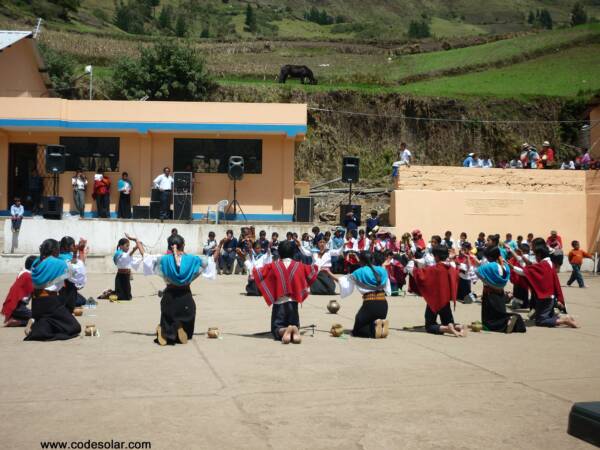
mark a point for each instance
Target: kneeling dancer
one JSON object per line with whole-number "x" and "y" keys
{"x": 495, "y": 274}
{"x": 438, "y": 285}
{"x": 177, "y": 306}
{"x": 51, "y": 320}
{"x": 285, "y": 283}
{"x": 374, "y": 284}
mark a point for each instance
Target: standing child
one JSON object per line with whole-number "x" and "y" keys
{"x": 16, "y": 215}
{"x": 123, "y": 259}
{"x": 283, "y": 284}
{"x": 576, "y": 256}
{"x": 438, "y": 285}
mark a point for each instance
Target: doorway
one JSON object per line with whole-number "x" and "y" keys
{"x": 22, "y": 158}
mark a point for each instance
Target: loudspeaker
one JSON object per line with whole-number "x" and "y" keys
{"x": 52, "y": 207}
{"x": 141, "y": 212}
{"x": 303, "y": 209}
{"x": 183, "y": 183}
{"x": 154, "y": 210}
{"x": 155, "y": 195}
{"x": 235, "y": 170}
{"x": 350, "y": 169}
{"x": 55, "y": 158}
{"x": 345, "y": 209}
{"x": 182, "y": 207}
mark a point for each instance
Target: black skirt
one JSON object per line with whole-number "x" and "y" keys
{"x": 251, "y": 289}
{"x": 464, "y": 288}
{"x": 323, "y": 285}
{"x": 369, "y": 312}
{"x": 493, "y": 312}
{"x": 124, "y": 210}
{"x": 53, "y": 322}
{"x": 177, "y": 308}
{"x": 123, "y": 286}
{"x": 69, "y": 295}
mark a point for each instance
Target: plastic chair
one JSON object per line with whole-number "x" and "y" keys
{"x": 221, "y": 209}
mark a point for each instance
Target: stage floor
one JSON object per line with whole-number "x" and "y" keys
{"x": 412, "y": 390}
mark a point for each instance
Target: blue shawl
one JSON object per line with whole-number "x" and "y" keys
{"x": 365, "y": 277}
{"x": 183, "y": 275}
{"x": 121, "y": 184}
{"x": 489, "y": 274}
{"x": 117, "y": 255}
{"x": 46, "y": 272}
{"x": 66, "y": 256}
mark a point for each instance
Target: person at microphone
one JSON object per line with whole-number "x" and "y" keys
{"x": 164, "y": 183}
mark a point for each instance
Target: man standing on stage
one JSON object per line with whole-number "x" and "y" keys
{"x": 164, "y": 183}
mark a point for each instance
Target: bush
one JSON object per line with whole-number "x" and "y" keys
{"x": 166, "y": 71}
{"x": 578, "y": 15}
{"x": 418, "y": 30}
{"x": 61, "y": 70}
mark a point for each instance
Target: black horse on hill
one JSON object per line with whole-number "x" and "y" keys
{"x": 291, "y": 71}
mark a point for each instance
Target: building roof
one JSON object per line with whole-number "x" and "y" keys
{"x": 10, "y": 37}
{"x": 110, "y": 116}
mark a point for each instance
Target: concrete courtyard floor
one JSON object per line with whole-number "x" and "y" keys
{"x": 411, "y": 391}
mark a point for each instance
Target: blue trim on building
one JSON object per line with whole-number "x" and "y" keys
{"x": 195, "y": 216}
{"x": 145, "y": 127}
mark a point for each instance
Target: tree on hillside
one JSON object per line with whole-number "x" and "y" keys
{"x": 66, "y": 7}
{"x": 545, "y": 19}
{"x": 418, "y": 30}
{"x": 531, "y": 18}
{"x": 181, "y": 26}
{"x": 166, "y": 71}
{"x": 250, "y": 21}
{"x": 578, "y": 15}
{"x": 129, "y": 16}
{"x": 165, "y": 17}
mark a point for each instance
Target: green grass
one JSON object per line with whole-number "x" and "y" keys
{"x": 446, "y": 28}
{"x": 563, "y": 74}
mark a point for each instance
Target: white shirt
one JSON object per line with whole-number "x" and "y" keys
{"x": 126, "y": 261}
{"x": 210, "y": 246}
{"x": 257, "y": 263}
{"x": 163, "y": 182}
{"x": 406, "y": 156}
{"x": 322, "y": 262}
{"x": 17, "y": 210}
{"x": 79, "y": 184}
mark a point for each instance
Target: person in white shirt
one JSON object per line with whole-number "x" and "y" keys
{"x": 79, "y": 183}
{"x": 123, "y": 259}
{"x": 211, "y": 245}
{"x": 486, "y": 163}
{"x": 256, "y": 258}
{"x": 567, "y": 165}
{"x": 405, "y": 159}
{"x": 164, "y": 183}
{"x": 16, "y": 215}
{"x": 321, "y": 257}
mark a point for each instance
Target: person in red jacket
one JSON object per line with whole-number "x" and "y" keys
{"x": 15, "y": 310}
{"x": 283, "y": 284}
{"x": 102, "y": 194}
{"x": 438, "y": 285}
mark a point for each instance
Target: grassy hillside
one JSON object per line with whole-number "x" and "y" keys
{"x": 374, "y": 20}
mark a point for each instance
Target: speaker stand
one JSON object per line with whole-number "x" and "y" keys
{"x": 350, "y": 194}
{"x": 55, "y": 184}
{"x": 235, "y": 204}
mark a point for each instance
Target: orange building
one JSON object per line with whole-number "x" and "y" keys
{"x": 22, "y": 70}
{"x": 141, "y": 138}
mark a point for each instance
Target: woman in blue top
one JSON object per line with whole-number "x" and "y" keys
{"x": 373, "y": 283}
{"x": 177, "y": 306}
{"x": 51, "y": 321}
{"x": 495, "y": 274}
{"x": 124, "y": 186}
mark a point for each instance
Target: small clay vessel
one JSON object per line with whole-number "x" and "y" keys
{"x": 113, "y": 298}
{"x": 78, "y": 312}
{"x": 333, "y": 306}
{"x": 213, "y": 332}
{"x": 336, "y": 330}
{"x": 476, "y": 327}
{"x": 90, "y": 330}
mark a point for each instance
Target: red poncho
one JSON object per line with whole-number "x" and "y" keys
{"x": 543, "y": 280}
{"x": 21, "y": 288}
{"x": 274, "y": 280}
{"x": 396, "y": 274}
{"x": 515, "y": 278}
{"x": 437, "y": 284}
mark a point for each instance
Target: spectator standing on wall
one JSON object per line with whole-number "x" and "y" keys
{"x": 36, "y": 186}
{"x": 16, "y": 215}
{"x": 547, "y": 155}
{"x": 79, "y": 183}
{"x": 102, "y": 194}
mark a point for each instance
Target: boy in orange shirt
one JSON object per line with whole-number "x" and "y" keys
{"x": 576, "y": 257}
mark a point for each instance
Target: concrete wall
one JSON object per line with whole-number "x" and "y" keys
{"x": 19, "y": 71}
{"x": 102, "y": 235}
{"x": 595, "y": 132}
{"x": 436, "y": 199}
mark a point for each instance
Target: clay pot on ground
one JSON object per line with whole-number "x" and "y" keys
{"x": 476, "y": 327}
{"x": 336, "y": 330}
{"x": 213, "y": 332}
{"x": 333, "y": 306}
{"x": 90, "y": 330}
{"x": 78, "y": 312}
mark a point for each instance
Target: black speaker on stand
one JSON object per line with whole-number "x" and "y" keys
{"x": 183, "y": 183}
{"x": 55, "y": 159}
{"x": 52, "y": 207}
{"x": 350, "y": 172}
{"x": 235, "y": 172}
{"x": 182, "y": 207}
{"x": 303, "y": 209}
{"x": 55, "y": 165}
